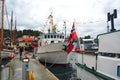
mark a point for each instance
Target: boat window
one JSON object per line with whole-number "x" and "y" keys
{"x": 118, "y": 70}
{"x": 54, "y": 36}
{"x": 88, "y": 45}
{"x": 63, "y": 37}
{"x": 52, "y": 41}
{"x": 60, "y": 36}
{"x": 118, "y": 55}
{"x": 51, "y": 36}
{"x": 48, "y": 36}
{"x": 45, "y": 36}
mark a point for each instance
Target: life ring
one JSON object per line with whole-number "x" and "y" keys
{"x": 30, "y": 75}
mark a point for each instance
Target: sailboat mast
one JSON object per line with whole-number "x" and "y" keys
{"x": 11, "y": 37}
{"x": 2, "y": 26}
{"x": 15, "y": 31}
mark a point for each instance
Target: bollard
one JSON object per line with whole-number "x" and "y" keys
{"x": 25, "y": 67}
{"x": 30, "y": 75}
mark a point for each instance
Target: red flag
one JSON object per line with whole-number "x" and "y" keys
{"x": 73, "y": 34}
{"x": 71, "y": 39}
{"x": 70, "y": 47}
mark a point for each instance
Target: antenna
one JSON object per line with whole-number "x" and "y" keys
{"x": 115, "y": 13}
{"x": 110, "y": 17}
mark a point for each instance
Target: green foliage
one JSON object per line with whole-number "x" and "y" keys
{"x": 24, "y": 32}
{"x": 19, "y": 33}
{"x": 28, "y": 32}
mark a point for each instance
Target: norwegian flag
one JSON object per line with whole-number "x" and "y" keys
{"x": 69, "y": 47}
{"x": 71, "y": 39}
{"x": 73, "y": 32}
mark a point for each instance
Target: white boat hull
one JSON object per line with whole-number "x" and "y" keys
{"x": 52, "y": 53}
{"x": 5, "y": 53}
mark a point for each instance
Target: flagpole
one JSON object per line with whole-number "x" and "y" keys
{"x": 79, "y": 42}
{"x": 82, "y": 52}
{"x": 77, "y": 33}
{"x": 65, "y": 28}
{"x": 78, "y": 36}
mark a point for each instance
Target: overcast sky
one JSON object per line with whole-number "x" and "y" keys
{"x": 90, "y": 16}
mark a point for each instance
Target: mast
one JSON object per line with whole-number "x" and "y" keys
{"x": 51, "y": 22}
{"x": 2, "y": 26}
{"x": 15, "y": 31}
{"x": 11, "y": 37}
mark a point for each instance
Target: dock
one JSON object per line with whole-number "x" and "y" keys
{"x": 30, "y": 69}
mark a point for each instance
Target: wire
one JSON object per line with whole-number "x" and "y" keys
{"x": 87, "y": 22}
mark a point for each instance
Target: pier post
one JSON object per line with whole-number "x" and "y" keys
{"x": 25, "y": 67}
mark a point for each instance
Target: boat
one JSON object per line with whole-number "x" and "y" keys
{"x": 50, "y": 45}
{"x": 6, "y": 49}
{"x": 88, "y": 45}
{"x": 103, "y": 64}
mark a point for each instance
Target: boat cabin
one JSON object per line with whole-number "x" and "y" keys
{"x": 88, "y": 44}
{"x": 48, "y": 38}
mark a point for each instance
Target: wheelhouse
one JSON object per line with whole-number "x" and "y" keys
{"x": 51, "y": 38}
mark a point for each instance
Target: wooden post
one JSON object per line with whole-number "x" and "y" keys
{"x": 2, "y": 29}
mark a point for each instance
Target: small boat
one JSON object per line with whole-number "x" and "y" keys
{"x": 50, "y": 46}
{"x": 5, "y": 53}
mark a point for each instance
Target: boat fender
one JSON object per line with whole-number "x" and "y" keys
{"x": 11, "y": 56}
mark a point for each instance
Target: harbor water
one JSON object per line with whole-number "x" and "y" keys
{"x": 66, "y": 71}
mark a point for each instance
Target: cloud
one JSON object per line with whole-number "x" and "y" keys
{"x": 90, "y": 16}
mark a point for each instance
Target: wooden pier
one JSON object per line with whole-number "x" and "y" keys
{"x": 35, "y": 71}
